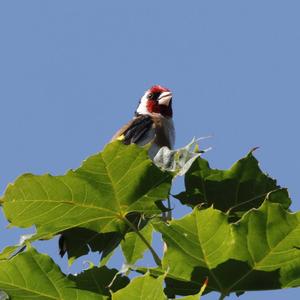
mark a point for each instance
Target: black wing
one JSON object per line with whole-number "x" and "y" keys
{"x": 137, "y": 129}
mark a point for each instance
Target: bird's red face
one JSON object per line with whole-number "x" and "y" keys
{"x": 156, "y": 100}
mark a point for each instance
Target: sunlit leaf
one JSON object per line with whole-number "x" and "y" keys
{"x": 259, "y": 252}
{"x": 133, "y": 247}
{"x": 240, "y": 236}
{"x": 8, "y": 251}
{"x": 97, "y": 196}
{"x": 269, "y": 240}
{"x": 30, "y": 275}
{"x": 142, "y": 288}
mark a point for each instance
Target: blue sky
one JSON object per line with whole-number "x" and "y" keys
{"x": 72, "y": 72}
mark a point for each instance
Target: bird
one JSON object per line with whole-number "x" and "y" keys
{"x": 152, "y": 122}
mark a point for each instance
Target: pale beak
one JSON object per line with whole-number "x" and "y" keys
{"x": 165, "y": 98}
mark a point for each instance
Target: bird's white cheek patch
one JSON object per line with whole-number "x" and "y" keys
{"x": 142, "y": 108}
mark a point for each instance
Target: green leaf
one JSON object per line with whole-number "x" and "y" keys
{"x": 80, "y": 241}
{"x": 270, "y": 242}
{"x": 148, "y": 287}
{"x": 133, "y": 247}
{"x": 259, "y": 252}
{"x": 240, "y": 188}
{"x": 30, "y": 275}
{"x": 97, "y": 196}
{"x": 192, "y": 297}
{"x": 7, "y": 252}
{"x": 198, "y": 295}
{"x": 175, "y": 284}
{"x": 100, "y": 280}
{"x": 142, "y": 288}
{"x": 201, "y": 239}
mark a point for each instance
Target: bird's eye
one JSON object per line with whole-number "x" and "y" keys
{"x": 150, "y": 96}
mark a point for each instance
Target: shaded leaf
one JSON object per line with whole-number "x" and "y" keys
{"x": 133, "y": 247}
{"x": 97, "y": 196}
{"x": 259, "y": 252}
{"x": 31, "y": 275}
{"x": 199, "y": 294}
{"x": 80, "y": 241}
{"x": 100, "y": 280}
{"x": 240, "y": 188}
{"x": 175, "y": 283}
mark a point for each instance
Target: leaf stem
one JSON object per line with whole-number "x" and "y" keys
{"x": 222, "y": 296}
{"x": 169, "y": 214}
{"x": 154, "y": 254}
